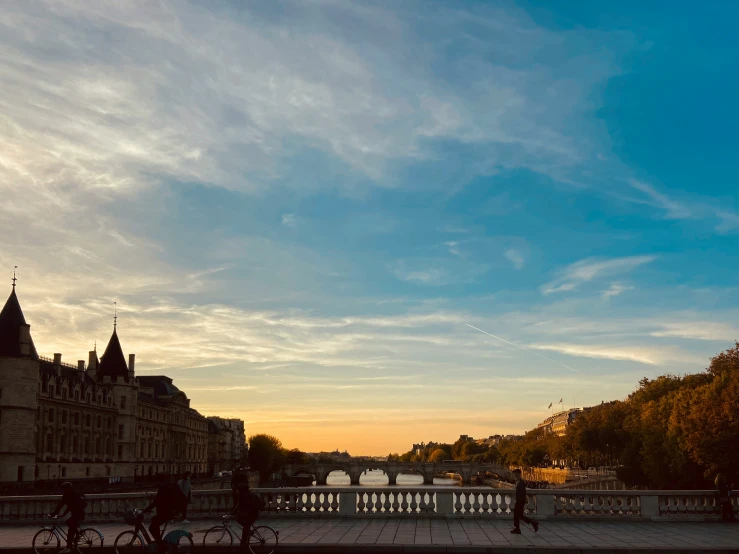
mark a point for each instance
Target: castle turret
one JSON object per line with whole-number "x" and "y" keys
{"x": 113, "y": 369}
{"x": 19, "y": 384}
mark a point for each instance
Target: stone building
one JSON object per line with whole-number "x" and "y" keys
{"x": 226, "y": 443}
{"x": 60, "y": 420}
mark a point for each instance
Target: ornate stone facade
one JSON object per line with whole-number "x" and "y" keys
{"x": 59, "y": 420}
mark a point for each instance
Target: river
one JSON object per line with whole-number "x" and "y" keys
{"x": 376, "y": 478}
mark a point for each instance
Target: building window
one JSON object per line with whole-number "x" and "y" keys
{"x": 64, "y": 417}
{"x": 74, "y": 444}
{"x": 99, "y": 422}
{"x": 64, "y": 393}
{"x": 76, "y": 418}
{"x": 51, "y": 415}
{"x": 87, "y": 446}
{"x": 123, "y": 402}
{"x": 51, "y": 390}
{"x": 49, "y": 443}
{"x": 87, "y": 420}
{"x": 108, "y": 449}
{"x": 76, "y": 396}
{"x": 63, "y": 444}
{"x": 120, "y": 431}
{"x": 108, "y": 423}
{"x": 88, "y": 397}
{"x": 120, "y": 451}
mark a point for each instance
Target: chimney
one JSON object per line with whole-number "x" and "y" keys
{"x": 57, "y": 359}
{"x": 24, "y": 339}
{"x": 131, "y": 362}
{"x": 80, "y": 365}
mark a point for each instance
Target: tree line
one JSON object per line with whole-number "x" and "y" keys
{"x": 671, "y": 432}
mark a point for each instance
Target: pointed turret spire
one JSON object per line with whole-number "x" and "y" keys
{"x": 15, "y": 336}
{"x": 113, "y": 363}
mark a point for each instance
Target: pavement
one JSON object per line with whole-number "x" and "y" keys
{"x": 370, "y": 535}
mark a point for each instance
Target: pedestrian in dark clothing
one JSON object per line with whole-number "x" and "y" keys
{"x": 724, "y": 497}
{"x": 520, "y": 505}
{"x": 237, "y": 479}
{"x": 75, "y": 504}
{"x": 184, "y": 485}
{"x": 167, "y": 502}
{"x": 246, "y": 509}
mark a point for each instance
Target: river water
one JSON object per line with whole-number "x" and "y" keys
{"x": 376, "y": 478}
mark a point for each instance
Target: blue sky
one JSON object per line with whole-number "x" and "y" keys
{"x": 301, "y": 207}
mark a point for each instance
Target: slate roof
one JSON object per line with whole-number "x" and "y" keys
{"x": 11, "y": 319}
{"x": 113, "y": 363}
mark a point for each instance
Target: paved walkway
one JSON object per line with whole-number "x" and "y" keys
{"x": 474, "y": 535}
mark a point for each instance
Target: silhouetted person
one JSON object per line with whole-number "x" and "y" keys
{"x": 237, "y": 478}
{"x": 167, "y": 502}
{"x": 247, "y": 509}
{"x": 520, "y": 505}
{"x": 184, "y": 485}
{"x": 75, "y": 504}
{"x": 724, "y": 497}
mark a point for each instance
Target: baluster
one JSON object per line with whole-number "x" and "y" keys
{"x": 531, "y": 503}
{"x": 335, "y": 502}
{"x": 325, "y": 502}
{"x": 386, "y": 504}
{"x": 485, "y": 506}
{"x": 396, "y": 501}
{"x": 476, "y": 502}
{"x": 432, "y": 502}
{"x": 299, "y": 503}
{"x": 404, "y": 502}
{"x": 682, "y": 506}
{"x": 423, "y": 505}
{"x": 370, "y": 502}
{"x": 360, "y": 504}
{"x": 458, "y": 502}
{"x": 414, "y": 503}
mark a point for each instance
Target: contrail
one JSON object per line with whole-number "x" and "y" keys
{"x": 526, "y": 349}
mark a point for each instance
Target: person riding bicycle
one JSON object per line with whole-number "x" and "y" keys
{"x": 167, "y": 502}
{"x": 75, "y": 504}
{"x": 247, "y": 509}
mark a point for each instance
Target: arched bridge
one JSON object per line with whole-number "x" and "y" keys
{"x": 392, "y": 469}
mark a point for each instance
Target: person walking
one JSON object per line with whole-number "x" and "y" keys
{"x": 521, "y": 505}
{"x": 184, "y": 485}
{"x": 75, "y": 504}
{"x": 724, "y": 497}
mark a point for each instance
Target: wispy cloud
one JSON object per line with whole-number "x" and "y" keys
{"x": 515, "y": 257}
{"x": 672, "y": 209}
{"x": 698, "y": 330}
{"x": 615, "y": 289}
{"x": 592, "y": 268}
{"x": 289, "y": 220}
{"x": 648, "y": 356}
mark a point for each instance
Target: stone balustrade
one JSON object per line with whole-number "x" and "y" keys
{"x": 363, "y": 501}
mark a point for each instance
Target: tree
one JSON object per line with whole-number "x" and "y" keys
{"x": 265, "y": 455}
{"x": 296, "y": 457}
{"x": 438, "y": 455}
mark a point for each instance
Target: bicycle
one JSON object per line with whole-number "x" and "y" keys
{"x": 138, "y": 540}
{"x": 48, "y": 540}
{"x": 261, "y": 539}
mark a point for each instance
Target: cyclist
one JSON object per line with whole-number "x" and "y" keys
{"x": 247, "y": 509}
{"x": 167, "y": 501}
{"x": 75, "y": 504}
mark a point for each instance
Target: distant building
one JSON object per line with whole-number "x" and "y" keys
{"x": 559, "y": 422}
{"x": 226, "y": 443}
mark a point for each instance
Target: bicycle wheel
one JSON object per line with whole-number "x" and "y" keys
{"x": 218, "y": 536}
{"x": 89, "y": 538}
{"x": 263, "y": 540}
{"x": 184, "y": 545}
{"x": 128, "y": 542}
{"x": 46, "y": 541}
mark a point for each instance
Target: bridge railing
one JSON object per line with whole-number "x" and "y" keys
{"x": 379, "y": 502}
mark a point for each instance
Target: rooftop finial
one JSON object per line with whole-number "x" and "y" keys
{"x": 14, "y": 278}
{"x": 115, "y": 314}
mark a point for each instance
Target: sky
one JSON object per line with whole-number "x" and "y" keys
{"x": 362, "y": 225}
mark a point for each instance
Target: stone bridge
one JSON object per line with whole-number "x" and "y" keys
{"x": 392, "y": 469}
